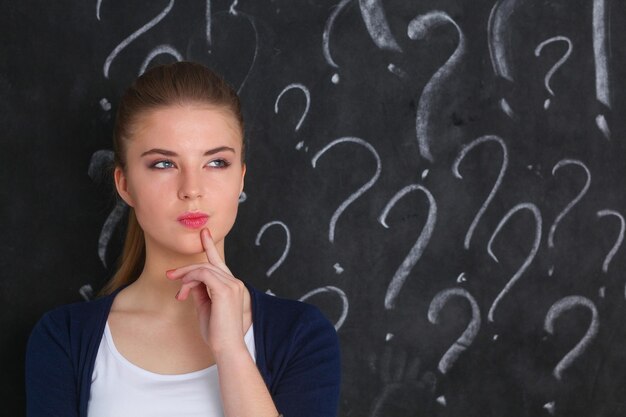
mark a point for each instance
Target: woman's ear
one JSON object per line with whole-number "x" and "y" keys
{"x": 121, "y": 184}
{"x": 243, "y": 175}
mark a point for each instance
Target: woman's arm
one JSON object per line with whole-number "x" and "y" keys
{"x": 309, "y": 384}
{"x": 219, "y": 301}
{"x": 51, "y": 389}
{"x": 243, "y": 390}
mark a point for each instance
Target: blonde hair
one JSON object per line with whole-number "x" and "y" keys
{"x": 166, "y": 85}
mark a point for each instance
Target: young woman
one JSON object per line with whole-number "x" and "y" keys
{"x": 176, "y": 334}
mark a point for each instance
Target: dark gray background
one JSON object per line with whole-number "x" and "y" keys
{"x": 56, "y": 107}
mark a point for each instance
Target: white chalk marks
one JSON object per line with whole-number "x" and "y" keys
{"x": 86, "y": 291}
{"x": 568, "y": 208}
{"x": 100, "y": 170}
{"x": 357, "y": 193}
{"x": 307, "y": 95}
{"x": 561, "y": 306}
{"x": 402, "y": 385}
{"x": 603, "y": 126}
{"x": 499, "y": 42}
{"x": 399, "y": 72}
{"x": 114, "y": 218}
{"x": 377, "y": 26}
{"x": 468, "y": 335}
{"x": 287, "y": 243}
{"x": 504, "y": 164}
{"x": 557, "y": 65}
{"x": 531, "y": 254}
{"x": 105, "y": 104}
{"x": 601, "y": 52}
{"x": 326, "y": 36}
{"x": 236, "y": 14}
{"x": 601, "y": 47}
{"x": 500, "y": 39}
{"x": 135, "y": 35}
{"x": 98, "y": 5}
{"x": 208, "y": 23}
{"x": 506, "y": 108}
{"x": 418, "y": 248}
{"x": 430, "y": 102}
{"x": 329, "y": 289}
{"x": 619, "y": 240}
{"x": 160, "y": 50}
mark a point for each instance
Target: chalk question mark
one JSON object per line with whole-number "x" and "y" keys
{"x": 531, "y": 254}
{"x": 418, "y": 248}
{"x": 234, "y": 13}
{"x": 307, "y": 95}
{"x": 160, "y": 50}
{"x": 377, "y": 25}
{"x": 100, "y": 167}
{"x": 556, "y": 66}
{"x": 430, "y": 102}
{"x": 568, "y": 208}
{"x": 618, "y": 242}
{"x": 326, "y": 37}
{"x": 287, "y": 243}
{"x": 86, "y": 291}
{"x": 122, "y": 45}
{"x": 561, "y": 306}
{"x": 375, "y": 21}
{"x": 332, "y": 290}
{"x": 455, "y": 169}
{"x": 500, "y": 44}
{"x": 499, "y": 40}
{"x": 469, "y": 334}
{"x": 357, "y": 193}
{"x": 601, "y": 51}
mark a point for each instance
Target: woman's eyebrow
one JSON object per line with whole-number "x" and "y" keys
{"x": 219, "y": 149}
{"x": 165, "y": 152}
{"x": 159, "y": 152}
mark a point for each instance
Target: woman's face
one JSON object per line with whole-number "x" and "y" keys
{"x": 183, "y": 160}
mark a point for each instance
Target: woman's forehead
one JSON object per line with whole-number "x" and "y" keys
{"x": 187, "y": 127}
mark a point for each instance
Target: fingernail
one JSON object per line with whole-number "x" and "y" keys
{"x": 169, "y": 271}
{"x": 209, "y": 232}
{"x": 176, "y": 296}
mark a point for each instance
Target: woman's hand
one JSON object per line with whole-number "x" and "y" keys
{"x": 218, "y": 297}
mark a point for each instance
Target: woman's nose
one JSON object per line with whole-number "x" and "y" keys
{"x": 190, "y": 186}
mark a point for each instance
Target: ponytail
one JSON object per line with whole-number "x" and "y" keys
{"x": 133, "y": 256}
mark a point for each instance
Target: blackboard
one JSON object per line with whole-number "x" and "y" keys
{"x": 444, "y": 179}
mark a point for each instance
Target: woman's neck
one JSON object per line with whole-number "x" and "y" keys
{"x": 154, "y": 292}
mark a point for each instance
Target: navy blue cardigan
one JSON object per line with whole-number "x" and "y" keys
{"x": 297, "y": 354}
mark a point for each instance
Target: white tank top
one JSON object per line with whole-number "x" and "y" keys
{"x": 121, "y": 389}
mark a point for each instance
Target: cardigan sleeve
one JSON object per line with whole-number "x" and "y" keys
{"x": 51, "y": 388}
{"x": 309, "y": 385}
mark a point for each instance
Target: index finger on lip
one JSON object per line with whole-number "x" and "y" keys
{"x": 212, "y": 254}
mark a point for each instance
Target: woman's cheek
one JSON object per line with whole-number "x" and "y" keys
{"x": 229, "y": 214}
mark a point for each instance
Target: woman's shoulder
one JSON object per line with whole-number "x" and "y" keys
{"x": 297, "y": 344}
{"x": 79, "y": 311}
{"x": 68, "y": 321}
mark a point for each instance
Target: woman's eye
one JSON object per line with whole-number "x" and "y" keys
{"x": 162, "y": 164}
{"x": 219, "y": 163}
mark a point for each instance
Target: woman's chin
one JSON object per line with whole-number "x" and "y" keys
{"x": 190, "y": 251}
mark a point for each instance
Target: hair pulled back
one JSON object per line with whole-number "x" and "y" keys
{"x": 180, "y": 83}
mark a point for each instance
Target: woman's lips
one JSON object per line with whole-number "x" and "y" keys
{"x": 193, "y": 220}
